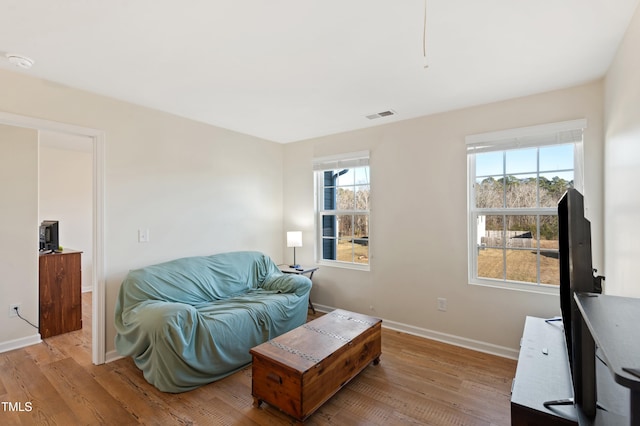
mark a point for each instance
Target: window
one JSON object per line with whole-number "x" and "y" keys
{"x": 516, "y": 178}
{"x": 342, "y": 206}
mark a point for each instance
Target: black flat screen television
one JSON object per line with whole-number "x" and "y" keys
{"x": 49, "y": 237}
{"x": 576, "y": 275}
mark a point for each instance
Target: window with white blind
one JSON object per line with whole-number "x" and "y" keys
{"x": 343, "y": 189}
{"x": 516, "y": 178}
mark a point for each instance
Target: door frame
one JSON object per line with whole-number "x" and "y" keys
{"x": 98, "y": 330}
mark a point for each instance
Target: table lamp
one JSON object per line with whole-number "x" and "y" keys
{"x": 294, "y": 239}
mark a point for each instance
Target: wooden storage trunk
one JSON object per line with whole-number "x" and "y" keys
{"x": 300, "y": 370}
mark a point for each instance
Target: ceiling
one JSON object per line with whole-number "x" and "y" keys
{"x": 288, "y": 70}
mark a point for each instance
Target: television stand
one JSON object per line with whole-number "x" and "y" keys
{"x": 612, "y": 323}
{"x": 543, "y": 379}
{"x": 542, "y": 375}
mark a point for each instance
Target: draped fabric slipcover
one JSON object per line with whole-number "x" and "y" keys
{"x": 192, "y": 321}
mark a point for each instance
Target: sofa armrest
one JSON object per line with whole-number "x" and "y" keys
{"x": 288, "y": 283}
{"x": 141, "y": 322}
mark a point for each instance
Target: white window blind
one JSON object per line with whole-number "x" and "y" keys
{"x": 525, "y": 137}
{"x": 341, "y": 161}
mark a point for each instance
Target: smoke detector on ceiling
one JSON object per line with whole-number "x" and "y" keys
{"x": 19, "y": 60}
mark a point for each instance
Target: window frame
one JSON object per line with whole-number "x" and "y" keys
{"x": 560, "y": 133}
{"x": 337, "y": 162}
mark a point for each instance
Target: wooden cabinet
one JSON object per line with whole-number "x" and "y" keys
{"x": 60, "y": 293}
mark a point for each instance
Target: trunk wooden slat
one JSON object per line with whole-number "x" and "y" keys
{"x": 300, "y": 370}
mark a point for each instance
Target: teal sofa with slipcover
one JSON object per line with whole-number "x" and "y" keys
{"x": 191, "y": 321}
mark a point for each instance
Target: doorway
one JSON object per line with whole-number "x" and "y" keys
{"x": 65, "y": 193}
{"x": 95, "y": 139}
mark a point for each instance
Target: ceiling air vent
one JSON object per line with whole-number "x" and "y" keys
{"x": 381, "y": 114}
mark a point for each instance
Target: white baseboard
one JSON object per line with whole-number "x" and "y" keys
{"x": 451, "y": 339}
{"x": 20, "y": 343}
{"x": 112, "y": 356}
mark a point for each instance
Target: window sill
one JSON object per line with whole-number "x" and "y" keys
{"x": 516, "y": 286}
{"x": 344, "y": 265}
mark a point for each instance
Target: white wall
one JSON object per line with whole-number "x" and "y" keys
{"x": 18, "y": 234}
{"x": 66, "y": 195}
{"x": 418, "y": 217}
{"x": 197, "y": 188}
{"x": 622, "y": 166}
{"x": 201, "y": 189}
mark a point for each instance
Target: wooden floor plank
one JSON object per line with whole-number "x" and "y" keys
{"x": 418, "y": 382}
{"x": 126, "y": 385}
{"x": 26, "y": 383}
{"x": 86, "y": 397}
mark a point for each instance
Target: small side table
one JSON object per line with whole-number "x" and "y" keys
{"x": 302, "y": 270}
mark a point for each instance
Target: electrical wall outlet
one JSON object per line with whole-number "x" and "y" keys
{"x": 143, "y": 235}
{"x": 442, "y": 304}
{"x": 12, "y": 309}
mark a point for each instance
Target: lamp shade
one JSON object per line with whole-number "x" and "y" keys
{"x": 294, "y": 239}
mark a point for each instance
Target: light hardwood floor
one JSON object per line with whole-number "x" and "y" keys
{"x": 418, "y": 381}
